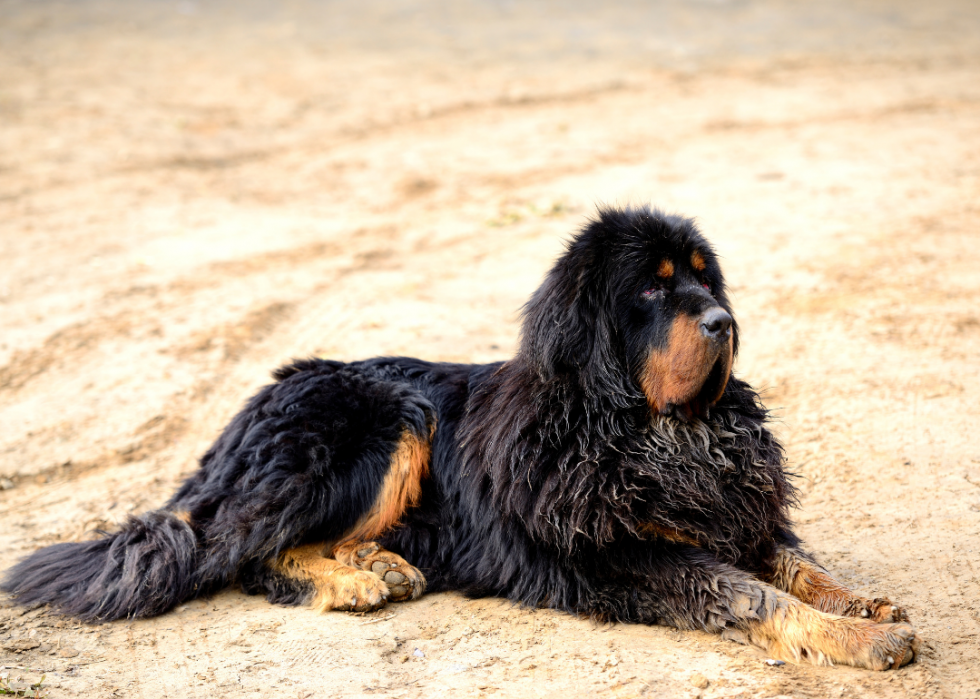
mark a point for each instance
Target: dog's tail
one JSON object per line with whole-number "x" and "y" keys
{"x": 146, "y": 568}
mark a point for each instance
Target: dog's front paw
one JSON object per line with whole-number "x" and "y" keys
{"x": 880, "y": 609}
{"x": 798, "y": 633}
{"x": 889, "y": 647}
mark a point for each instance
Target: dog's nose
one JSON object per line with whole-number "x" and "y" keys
{"x": 716, "y": 324}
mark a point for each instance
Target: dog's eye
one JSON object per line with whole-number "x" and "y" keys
{"x": 653, "y": 290}
{"x": 707, "y": 286}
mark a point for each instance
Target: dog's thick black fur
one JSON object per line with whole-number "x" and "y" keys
{"x": 613, "y": 468}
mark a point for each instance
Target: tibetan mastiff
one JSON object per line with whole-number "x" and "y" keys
{"x": 613, "y": 468}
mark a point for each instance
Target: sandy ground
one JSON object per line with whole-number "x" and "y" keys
{"x": 192, "y": 194}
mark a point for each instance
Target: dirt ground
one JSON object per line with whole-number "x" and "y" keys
{"x": 192, "y": 194}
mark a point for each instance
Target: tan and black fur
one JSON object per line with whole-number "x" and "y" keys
{"x": 615, "y": 468}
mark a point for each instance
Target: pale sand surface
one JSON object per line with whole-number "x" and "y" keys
{"x": 192, "y": 194}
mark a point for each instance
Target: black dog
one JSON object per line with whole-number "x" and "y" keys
{"x": 613, "y": 468}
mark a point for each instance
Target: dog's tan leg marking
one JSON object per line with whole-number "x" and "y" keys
{"x": 184, "y": 516}
{"x": 668, "y": 534}
{"x": 797, "y": 632}
{"x": 335, "y": 585}
{"x": 404, "y": 580}
{"x": 400, "y": 490}
{"x": 798, "y": 574}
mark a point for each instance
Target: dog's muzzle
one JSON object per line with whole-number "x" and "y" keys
{"x": 689, "y": 376}
{"x": 716, "y": 324}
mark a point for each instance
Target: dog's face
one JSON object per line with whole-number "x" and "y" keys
{"x": 637, "y": 302}
{"x": 679, "y": 337}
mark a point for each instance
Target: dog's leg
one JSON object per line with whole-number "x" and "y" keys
{"x": 794, "y": 571}
{"x": 404, "y": 580}
{"x": 324, "y": 455}
{"x": 326, "y": 583}
{"x": 690, "y": 589}
{"x": 792, "y": 630}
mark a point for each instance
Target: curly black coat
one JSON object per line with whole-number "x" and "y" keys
{"x": 612, "y": 468}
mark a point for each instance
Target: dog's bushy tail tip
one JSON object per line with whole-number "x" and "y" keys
{"x": 146, "y": 568}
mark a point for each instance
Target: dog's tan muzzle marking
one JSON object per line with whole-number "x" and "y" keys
{"x": 696, "y": 347}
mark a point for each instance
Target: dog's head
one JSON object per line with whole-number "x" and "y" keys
{"x": 636, "y": 304}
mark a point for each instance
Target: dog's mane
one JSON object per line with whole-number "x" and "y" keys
{"x": 562, "y": 435}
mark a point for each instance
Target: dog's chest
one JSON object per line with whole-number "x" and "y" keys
{"x": 719, "y": 483}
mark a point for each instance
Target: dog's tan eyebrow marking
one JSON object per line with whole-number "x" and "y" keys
{"x": 666, "y": 269}
{"x": 697, "y": 261}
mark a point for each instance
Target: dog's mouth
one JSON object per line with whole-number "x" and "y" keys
{"x": 709, "y": 394}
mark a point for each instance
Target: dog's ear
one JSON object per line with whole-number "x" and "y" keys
{"x": 569, "y": 329}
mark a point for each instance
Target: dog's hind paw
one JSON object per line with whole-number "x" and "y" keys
{"x": 404, "y": 580}
{"x": 351, "y": 590}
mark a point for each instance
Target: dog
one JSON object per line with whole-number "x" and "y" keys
{"x": 614, "y": 468}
